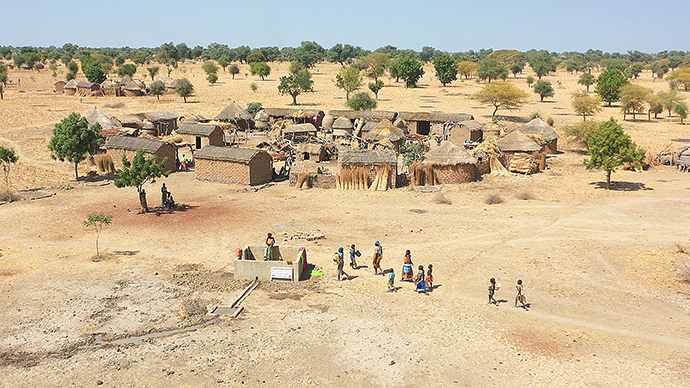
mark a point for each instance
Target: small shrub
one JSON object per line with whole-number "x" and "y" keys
{"x": 253, "y": 107}
{"x": 493, "y": 199}
{"x": 253, "y": 86}
{"x": 684, "y": 268}
{"x": 535, "y": 115}
{"x": 441, "y": 199}
{"x": 361, "y": 101}
{"x": 525, "y": 195}
{"x": 550, "y": 121}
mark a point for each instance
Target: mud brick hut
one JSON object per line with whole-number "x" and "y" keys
{"x": 70, "y": 88}
{"x": 445, "y": 164}
{"x": 299, "y": 132}
{"x": 517, "y": 142}
{"x": 164, "y": 121}
{"x": 59, "y": 87}
{"x": 298, "y": 116}
{"x": 234, "y": 165}
{"x": 539, "y": 127}
{"x": 458, "y": 133}
{"x": 314, "y": 152}
{"x": 422, "y": 122}
{"x": 367, "y": 170}
{"x": 200, "y": 135}
{"x": 132, "y": 89}
{"x": 171, "y": 87}
{"x": 370, "y": 115}
{"x": 128, "y": 146}
{"x": 234, "y": 114}
{"x": 386, "y": 134}
{"x": 110, "y": 88}
{"x": 85, "y": 88}
{"x": 342, "y": 126}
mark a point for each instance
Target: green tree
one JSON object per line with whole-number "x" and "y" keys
{"x": 681, "y": 108}
{"x": 73, "y": 139}
{"x": 343, "y": 53}
{"x": 544, "y": 89}
{"x": 184, "y": 88}
{"x": 543, "y": 63}
{"x": 517, "y": 68}
{"x": 669, "y": 99}
{"x": 411, "y": 71}
{"x": 656, "y": 105}
{"x": 491, "y": 69}
{"x": 634, "y": 99}
{"x": 253, "y": 108}
{"x": 127, "y": 69}
{"x": 98, "y": 221}
{"x": 157, "y": 88}
{"x": 587, "y": 80}
{"x": 72, "y": 67}
{"x": 578, "y": 133}
{"x": 256, "y": 57}
{"x": 530, "y": 81}
{"x": 615, "y": 63}
{"x": 467, "y": 68}
{"x": 140, "y": 170}
{"x": 446, "y": 69}
{"x": 153, "y": 70}
{"x": 7, "y": 159}
{"x": 501, "y": 95}
{"x": 585, "y": 105}
{"x": 349, "y": 79}
{"x": 260, "y": 68}
{"x": 209, "y": 67}
{"x": 374, "y": 65}
{"x": 93, "y": 70}
{"x": 660, "y": 67}
{"x": 296, "y": 84}
{"x": 223, "y": 61}
{"x": 234, "y": 69}
{"x": 309, "y": 53}
{"x": 609, "y": 85}
{"x": 376, "y": 87}
{"x": 634, "y": 70}
{"x": 682, "y": 75}
{"x": 169, "y": 69}
{"x": 361, "y": 101}
{"x": 212, "y": 78}
{"x": 609, "y": 148}
{"x": 296, "y": 67}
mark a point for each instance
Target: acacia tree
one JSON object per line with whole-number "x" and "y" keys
{"x": 467, "y": 68}
{"x": 585, "y": 105}
{"x": 98, "y": 221}
{"x": 609, "y": 85}
{"x": 491, "y": 69}
{"x": 157, "y": 88}
{"x": 127, "y": 69}
{"x": 7, "y": 158}
{"x": 209, "y": 67}
{"x": 153, "y": 70}
{"x": 234, "y": 69}
{"x": 296, "y": 84}
{"x": 73, "y": 139}
{"x": 681, "y": 108}
{"x": 376, "y": 87}
{"x": 446, "y": 69}
{"x": 184, "y": 88}
{"x": 261, "y": 69}
{"x": 501, "y": 95}
{"x": 411, "y": 71}
{"x": 633, "y": 99}
{"x": 543, "y": 63}
{"x": 348, "y": 79}
{"x": 140, "y": 170}
{"x": 609, "y": 148}
{"x": 212, "y": 78}
{"x": 375, "y": 65}
{"x": 544, "y": 89}
{"x": 587, "y": 80}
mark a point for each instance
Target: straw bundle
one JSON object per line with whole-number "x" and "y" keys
{"x": 537, "y": 138}
{"x": 423, "y": 174}
{"x": 105, "y": 164}
{"x": 353, "y": 178}
{"x": 524, "y": 164}
{"x": 381, "y": 180}
{"x": 303, "y": 181}
{"x": 487, "y": 147}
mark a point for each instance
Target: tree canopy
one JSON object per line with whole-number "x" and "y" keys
{"x": 73, "y": 139}
{"x": 296, "y": 84}
{"x": 467, "y": 68}
{"x": 209, "y": 67}
{"x": 587, "y": 80}
{"x": 682, "y": 75}
{"x": 585, "y": 105}
{"x": 153, "y": 70}
{"x": 374, "y": 65}
{"x": 411, "y": 71}
{"x": 361, "y": 101}
{"x": 234, "y": 69}
{"x": 609, "y": 85}
{"x": 93, "y": 70}
{"x": 261, "y": 69}
{"x": 140, "y": 170}
{"x": 501, "y": 95}
{"x": 98, "y": 221}
{"x": 491, "y": 69}
{"x": 446, "y": 69}
{"x": 157, "y": 88}
{"x": 309, "y": 53}
{"x": 543, "y": 63}
{"x": 544, "y": 89}
{"x": 127, "y": 69}
{"x": 633, "y": 99}
{"x": 609, "y": 148}
{"x": 184, "y": 88}
{"x": 7, "y": 159}
{"x": 348, "y": 79}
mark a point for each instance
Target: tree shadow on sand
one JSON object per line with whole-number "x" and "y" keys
{"x": 622, "y": 186}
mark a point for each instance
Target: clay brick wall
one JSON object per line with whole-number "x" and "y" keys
{"x": 169, "y": 151}
{"x": 455, "y": 174}
{"x": 222, "y": 171}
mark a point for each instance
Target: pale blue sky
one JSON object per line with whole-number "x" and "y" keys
{"x": 616, "y": 25}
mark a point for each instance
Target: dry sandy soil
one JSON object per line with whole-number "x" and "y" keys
{"x": 608, "y": 300}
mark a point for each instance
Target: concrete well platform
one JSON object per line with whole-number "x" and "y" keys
{"x": 287, "y": 264}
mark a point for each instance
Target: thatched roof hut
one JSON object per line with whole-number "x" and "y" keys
{"x": 234, "y": 113}
{"x": 128, "y": 146}
{"x": 386, "y": 130}
{"x": 201, "y": 135}
{"x": 448, "y": 154}
{"x": 59, "y": 86}
{"x": 369, "y": 115}
{"x": 342, "y": 126}
{"x": 539, "y": 127}
{"x": 131, "y": 88}
{"x": 517, "y": 141}
{"x": 125, "y": 80}
{"x": 71, "y": 87}
{"x": 365, "y": 169}
{"x": 234, "y": 165}
{"x": 312, "y": 151}
{"x": 96, "y": 116}
{"x": 445, "y": 164}
{"x": 421, "y": 122}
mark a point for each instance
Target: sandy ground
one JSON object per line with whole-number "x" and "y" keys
{"x": 608, "y": 301}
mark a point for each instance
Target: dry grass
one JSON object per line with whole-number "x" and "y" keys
{"x": 525, "y": 195}
{"x": 493, "y": 199}
{"x": 441, "y": 199}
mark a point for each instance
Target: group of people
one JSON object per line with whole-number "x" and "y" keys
{"x": 519, "y": 297}
{"x": 167, "y": 200}
{"x": 424, "y": 281}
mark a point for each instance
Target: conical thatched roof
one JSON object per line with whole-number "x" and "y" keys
{"x": 72, "y": 84}
{"x": 131, "y": 85}
{"x": 517, "y": 141}
{"x": 448, "y": 154}
{"x": 539, "y": 127}
{"x": 125, "y": 80}
{"x": 96, "y": 116}
{"x": 172, "y": 84}
{"x": 342, "y": 123}
{"x": 233, "y": 111}
{"x": 385, "y": 130}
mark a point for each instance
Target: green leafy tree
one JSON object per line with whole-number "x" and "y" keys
{"x": 634, "y": 99}
{"x": 656, "y": 105}
{"x": 234, "y": 69}
{"x": 343, "y": 53}
{"x": 467, "y": 68}
{"x": 669, "y": 99}
{"x": 209, "y": 67}
{"x": 501, "y": 95}
{"x": 681, "y": 75}
{"x": 184, "y": 88}
{"x": 309, "y": 53}
{"x": 446, "y": 69}
{"x": 376, "y": 87}
{"x": 517, "y": 68}
{"x": 73, "y": 139}
{"x": 634, "y": 70}
{"x": 544, "y": 89}
{"x": 587, "y": 80}
{"x": 374, "y": 65}
{"x": 93, "y": 70}
{"x": 223, "y": 61}
{"x": 681, "y": 108}
{"x": 157, "y": 88}
{"x": 212, "y": 78}
{"x": 609, "y": 148}
{"x": 491, "y": 69}
{"x": 72, "y": 67}
{"x": 349, "y": 79}
{"x": 411, "y": 71}
{"x": 530, "y": 81}
{"x": 140, "y": 170}
{"x": 394, "y": 69}
{"x": 7, "y": 159}
{"x": 361, "y": 101}
{"x": 615, "y": 63}
{"x": 660, "y": 67}
{"x": 296, "y": 84}
{"x": 253, "y": 108}
{"x": 153, "y": 70}
{"x": 585, "y": 105}
{"x": 577, "y": 134}
{"x": 296, "y": 67}
{"x": 256, "y": 57}
{"x": 169, "y": 69}
{"x": 609, "y": 85}
{"x": 261, "y": 69}
{"x": 127, "y": 69}
{"x": 543, "y": 63}
{"x": 412, "y": 152}
{"x": 98, "y": 221}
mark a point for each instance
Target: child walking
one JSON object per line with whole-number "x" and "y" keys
{"x": 520, "y": 294}
{"x": 430, "y": 277}
{"x": 419, "y": 280}
{"x": 391, "y": 281}
{"x": 353, "y": 257}
{"x": 492, "y": 291}
{"x": 339, "y": 259}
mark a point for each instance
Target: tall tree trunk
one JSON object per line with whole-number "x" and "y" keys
{"x": 608, "y": 179}
{"x": 76, "y": 174}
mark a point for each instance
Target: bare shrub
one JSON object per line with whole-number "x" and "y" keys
{"x": 525, "y": 195}
{"x": 493, "y": 199}
{"x": 550, "y": 121}
{"x": 441, "y": 199}
{"x": 680, "y": 249}
{"x": 115, "y": 105}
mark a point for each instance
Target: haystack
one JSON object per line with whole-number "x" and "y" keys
{"x": 540, "y": 128}
{"x": 328, "y": 121}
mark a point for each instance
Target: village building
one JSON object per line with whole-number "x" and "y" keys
{"x": 427, "y": 123}
{"x": 463, "y": 132}
{"x": 70, "y": 87}
{"x": 298, "y": 116}
{"x": 366, "y": 115}
{"x": 111, "y": 88}
{"x": 367, "y": 170}
{"x": 540, "y": 128}
{"x": 343, "y": 127}
{"x": 132, "y": 89}
{"x": 517, "y": 141}
{"x": 172, "y": 86}
{"x": 445, "y": 164}
{"x": 85, "y": 88}
{"x": 235, "y": 114}
{"x": 298, "y": 133}
{"x": 164, "y": 121}
{"x": 314, "y": 152}
{"x": 234, "y": 165}
{"x": 59, "y": 87}
{"x": 118, "y": 146}
{"x": 201, "y": 135}
{"x": 387, "y": 135}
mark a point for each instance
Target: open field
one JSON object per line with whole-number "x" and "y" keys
{"x": 602, "y": 269}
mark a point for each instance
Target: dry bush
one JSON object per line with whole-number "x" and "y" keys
{"x": 493, "y": 199}
{"x": 684, "y": 268}
{"x": 115, "y": 105}
{"x": 525, "y": 195}
{"x": 441, "y": 199}
{"x": 680, "y": 249}
{"x": 550, "y": 121}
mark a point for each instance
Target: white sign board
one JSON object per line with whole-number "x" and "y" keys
{"x": 283, "y": 273}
